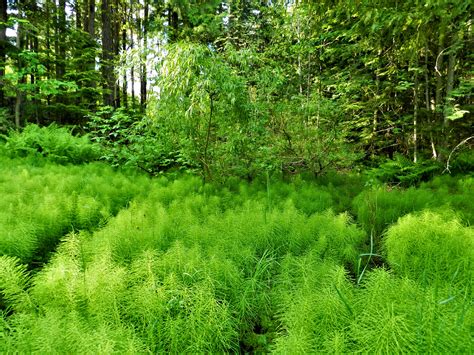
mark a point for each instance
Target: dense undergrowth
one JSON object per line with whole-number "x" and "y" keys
{"x": 39, "y": 204}
{"x": 95, "y": 260}
{"x": 187, "y": 267}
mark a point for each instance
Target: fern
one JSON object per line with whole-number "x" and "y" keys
{"x": 53, "y": 142}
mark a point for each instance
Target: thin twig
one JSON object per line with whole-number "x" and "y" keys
{"x": 450, "y": 154}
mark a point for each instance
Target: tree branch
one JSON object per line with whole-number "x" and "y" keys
{"x": 450, "y": 154}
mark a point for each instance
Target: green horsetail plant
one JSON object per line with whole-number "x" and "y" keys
{"x": 432, "y": 248}
{"x": 314, "y": 300}
{"x": 14, "y": 280}
{"x": 377, "y": 208}
{"x": 41, "y": 204}
{"x": 398, "y": 315}
{"x": 383, "y": 321}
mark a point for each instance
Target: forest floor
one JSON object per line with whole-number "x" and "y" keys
{"x": 96, "y": 260}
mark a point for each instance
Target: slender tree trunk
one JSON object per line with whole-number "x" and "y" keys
{"x": 124, "y": 78}
{"x": 107, "y": 54}
{"x": 116, "y": 40}
{"x": 132, "y": 69}
{"x": 415, "y": 119}
{"x": 3, "y": 49}
{"x": 428, "y": 105}
{"x": 375, "y": 115}
{"x": 78, "y": 10}
{"x": 19, "y": 93}
{"x": 48, "y": 46}
{"x": 439, "y": 64}
{"x": 61, "y": 43}
{"x": 132, "y": 46}
{"x": 449, "y": 88}
{"x": 89, "y": 47}
{"x": 427, "y": 82}
{"x": 173, "y": 24}
{"x": 34, "y": 47}
{"x": 207, "y": 169}
{"x": 439, "y": 77}
{"x": 89, "y": 25}
{"x": 143, "y": 73}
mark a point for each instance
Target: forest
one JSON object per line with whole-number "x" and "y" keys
{"x": 236, "y": 176}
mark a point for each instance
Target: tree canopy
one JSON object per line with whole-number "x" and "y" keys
{"x": 240, "y": 87}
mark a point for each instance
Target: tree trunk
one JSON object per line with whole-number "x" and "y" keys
{"x": 124, "y": 78}
{"x": 415, "y": 119}
{"x": 61, "y": 43}
{"x": 428, "y": 105}
{"x": 143, "y": 73}
{"x": 132, "y": 46}
{"x": 21, "y": 80}
{"x": 89, "y": 24}
{"x": 449, "y": 88}
{"x": 78, "y": 10}
{"x": 116, "y": 41}
{"x": 132, "y": 69}
{"x": 3, "y": 49}
{"x": 107, "y": 54}
{"x": 173, "y": 24}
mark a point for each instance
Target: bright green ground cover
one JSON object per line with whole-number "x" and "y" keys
{"x": 176, "y": 266}
{"x": 39, "y": 204}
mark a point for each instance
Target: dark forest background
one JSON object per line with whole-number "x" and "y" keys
{"x": 242, "y": 87}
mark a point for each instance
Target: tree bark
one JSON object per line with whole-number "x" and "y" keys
{"x": 116, "y": 41}
{"x": 78, "y": 11}
{"x": 143, "y": 71}
{"x": 61, "y": 44}
{"x": 132, "y": 46}
{"x": 124, "y": 78}
{"x": 173, "y": 23}
{"x": 21, "y": 80}
{"x": 428, "y": 105}
{"x": 415, "y": 119}
{"x": 89, "y": 24}
{"x": 3, "y": 47}
{"x": 449, "y": 87}
{"x": 107, "y": 54}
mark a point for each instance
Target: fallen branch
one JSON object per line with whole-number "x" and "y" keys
{"x": 450, "y": 154}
